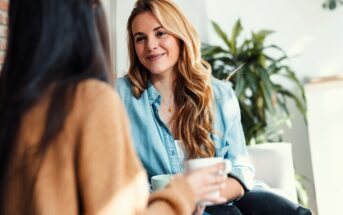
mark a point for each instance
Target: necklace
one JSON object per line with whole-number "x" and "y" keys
{"x": 170, "y": 107}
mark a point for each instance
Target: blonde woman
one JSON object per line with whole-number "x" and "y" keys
{"x": 178, "y": 111}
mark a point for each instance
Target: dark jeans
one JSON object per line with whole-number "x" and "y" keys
{"x": 258, "y": 202}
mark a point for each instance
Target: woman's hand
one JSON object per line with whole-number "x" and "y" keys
{"x": 205, "y": 181}
{"x": 199, "y": 210}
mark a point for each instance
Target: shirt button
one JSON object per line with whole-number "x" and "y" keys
{"x": 173, "y": 153}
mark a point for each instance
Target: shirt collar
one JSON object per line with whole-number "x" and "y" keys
{"x": 153, "y": 94}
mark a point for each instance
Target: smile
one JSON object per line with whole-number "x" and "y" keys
{"x": 154, "y": 57}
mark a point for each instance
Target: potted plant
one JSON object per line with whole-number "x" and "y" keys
{"x": 263, "y": 83}
{"x": 332, "y": 4}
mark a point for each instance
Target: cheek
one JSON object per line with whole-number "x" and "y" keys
{"x": 173, "y": 46}
{"x": 139, "y": 51}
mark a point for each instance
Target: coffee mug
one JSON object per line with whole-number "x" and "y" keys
{"x": 198, "y": 163}
{"x": 160, "y": 181}
{"x": 206, "y": 162}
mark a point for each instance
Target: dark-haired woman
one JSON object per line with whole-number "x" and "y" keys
{"x": 63, "y": 148}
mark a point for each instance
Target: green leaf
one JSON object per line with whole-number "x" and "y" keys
{"x": 236, "y": 30}
{"x": 282, "y": 103}
{"x": 267, "y": 90}
{"x": 262, "y": 60}
{"x": 227, "y": 61}
{"x": 301, "y": 107}
{"x": 221, "y": 33}
{"x": 332, "y": 4}
{"x": 252, "y": 80}
{"x": 293, "y": 77}
{"x": 251, "y": 125}
{"x": 243, "y": 48}
{"x": 240, "y": 83}
{"x": 213, "y": 50}
{"x": 278, "y": 48}
{"x": 261, "y": 35}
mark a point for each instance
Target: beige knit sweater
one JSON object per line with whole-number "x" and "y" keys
{"x": 91, "y": 167}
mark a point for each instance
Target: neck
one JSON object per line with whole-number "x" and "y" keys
{"x": 164, "y": 85}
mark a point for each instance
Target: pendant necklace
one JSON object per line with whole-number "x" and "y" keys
{"x": 170, "y": 108}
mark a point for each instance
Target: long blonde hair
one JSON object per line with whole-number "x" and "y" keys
{"x": 192, "y": 121}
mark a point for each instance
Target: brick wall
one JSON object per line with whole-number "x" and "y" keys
{"x": 3, "y": 29}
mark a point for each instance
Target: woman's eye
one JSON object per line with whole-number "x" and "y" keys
{"x": 160, "y": 33}
{"x": 139, "y": 39}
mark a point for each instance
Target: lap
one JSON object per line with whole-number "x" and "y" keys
{"x": 223, "y": 210}
{"x": 259, "y": 202}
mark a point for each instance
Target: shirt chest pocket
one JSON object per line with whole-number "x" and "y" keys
{"x": 221, "y": 146}
{"x": 222, "y": 151}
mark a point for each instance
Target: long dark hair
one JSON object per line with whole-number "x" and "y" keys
{"x": 51, "y": 43}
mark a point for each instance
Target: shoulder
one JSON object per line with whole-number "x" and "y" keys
{"x": 122, "y": 81}
{"x": 92, "y": 89}
{"x": 124, "y": 88}
{"x": 97, "y": 103}
{"x": 93, "y": 85}
{"x": 222, "y": 89}
{"x": 92, "y": 93}
{"x": 225, "y": 99}
{"x": 123, "y": 84}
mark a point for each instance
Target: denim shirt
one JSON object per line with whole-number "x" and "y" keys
{"x": 154, "y": 142}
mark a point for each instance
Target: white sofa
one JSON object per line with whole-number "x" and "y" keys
{"x": 274, "y": 166}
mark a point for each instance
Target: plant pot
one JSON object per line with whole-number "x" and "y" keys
{"x": 274, "y": 165}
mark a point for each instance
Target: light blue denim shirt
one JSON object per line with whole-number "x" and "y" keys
{"x": 154, "y": 142}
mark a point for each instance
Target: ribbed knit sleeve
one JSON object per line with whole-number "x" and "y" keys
{"x": 110, "y": 177}
{"x": 176, "y": 198}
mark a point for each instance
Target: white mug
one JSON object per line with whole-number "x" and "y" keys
{"x": 198, "y": 163}
{"x": 160, "y": 181}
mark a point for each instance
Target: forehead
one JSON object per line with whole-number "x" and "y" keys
{"x": 144, "y": 23}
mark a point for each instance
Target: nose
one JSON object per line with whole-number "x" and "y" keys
{"x": 152, "y": 43}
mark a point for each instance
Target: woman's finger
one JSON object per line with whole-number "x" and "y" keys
{"x": 213, "y": 179}
{"x": 217, "y": 178}
{"x": 215, "y": 200}
{"x": 210, "y": 200}
{"x": 199, "y": 210}
{"x": 210, "y": 189}
{"x": 214, "y": 168}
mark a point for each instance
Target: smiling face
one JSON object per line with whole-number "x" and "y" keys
{"x": 156, "y": 49}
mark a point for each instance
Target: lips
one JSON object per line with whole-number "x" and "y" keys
{"x": 154, "y": 57}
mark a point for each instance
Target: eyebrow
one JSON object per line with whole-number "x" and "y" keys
{"x": 140, "y": 33}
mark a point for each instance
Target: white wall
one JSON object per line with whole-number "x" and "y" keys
{"x": 109, "y": 6}
{"x": 123, "y": 10}
{"x": 325, "y": 120}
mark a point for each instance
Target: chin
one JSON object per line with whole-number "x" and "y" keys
{"x": 157, "y": 71}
